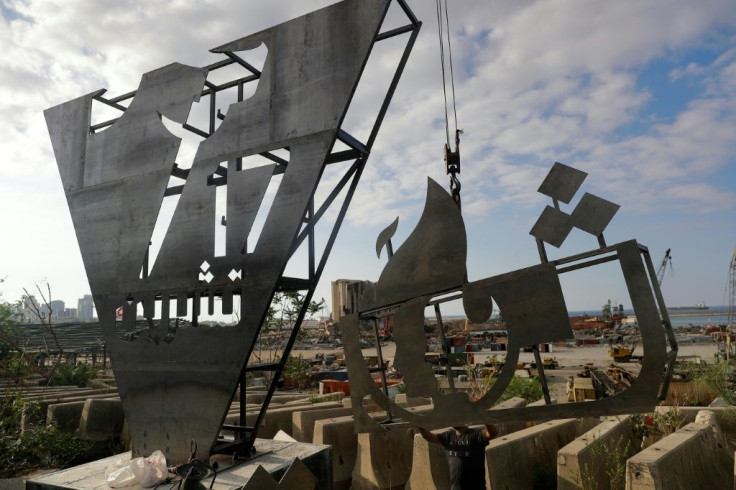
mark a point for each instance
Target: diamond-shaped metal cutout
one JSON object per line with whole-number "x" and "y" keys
{"x": 552, "y": 227}
{"x": 592, "y": 214}
{"x": 562, "y": 182}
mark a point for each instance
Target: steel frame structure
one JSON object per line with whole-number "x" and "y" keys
{"x": 425, "y": 271}
{"x": 358, "y": 152}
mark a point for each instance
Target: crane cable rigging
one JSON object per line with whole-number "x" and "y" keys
{"x": 663, "y": 265}
{"x": 452, "y": 158}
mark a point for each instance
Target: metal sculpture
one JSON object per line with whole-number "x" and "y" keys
{"x": 176, "y": 384}
{"x": 431, "y": 262}
{"x": 296, "y": 477}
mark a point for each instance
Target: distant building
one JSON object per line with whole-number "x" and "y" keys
{"x": 29, "y": 309}
{"x": 57, "y": 309}
{"x": 85, "y": 307}
{"x": 346, "y": 295}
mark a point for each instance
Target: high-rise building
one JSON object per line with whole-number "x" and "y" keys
{"x": 57, "y": 309}
{"x": 84, "y": 308}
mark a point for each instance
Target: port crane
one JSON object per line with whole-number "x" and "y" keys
{"x": 663, "y": 265}
{"x": 732, "y": 290}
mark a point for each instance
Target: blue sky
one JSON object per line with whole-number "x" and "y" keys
{"x": 638, "y": 94}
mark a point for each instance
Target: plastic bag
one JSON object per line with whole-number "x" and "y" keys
{"x": 119, "y": 474}
{"x": 147, "y": 472}
{"x": 150, "y": 471}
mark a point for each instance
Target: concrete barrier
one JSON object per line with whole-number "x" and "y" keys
{"x": 259, "y": 396}
{"x": 598, "y": 456}
{"x": 696, "y": 456}
{"x": 38, "y": 409}
{"x": 724, "y": 415}
{"x": 404, "y": 401}
{"x": 338, "y": 396}
{"x": 303, "y": 421}
{"x": 65, "y": 416}
{"x": 527, "y": 458}
{"x": 384, "y": 459}
{"x": 430, "y": 470}
{"x": 509, "y": 427}
{"x": 279, "y": 417}
{"x": 339, "y": 432}
{"x": 101, "y": 419}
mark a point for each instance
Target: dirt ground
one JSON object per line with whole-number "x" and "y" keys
{"x": 567, "y": 357}
{"x": 571, "y": 360}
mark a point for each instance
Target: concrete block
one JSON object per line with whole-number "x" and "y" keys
{"x": 101, "y": 419}
{"x": 430, "y": 470}
{"x": 527, "y": 458}
{"x": 328, "y": 397}
{"x": 32, "y": 414}
{"x": 591, "y": 459}
{"x": 38, "y": 409}
{"x": 257, "y": 397}
{"x": 724, "y": 415}
{"x": 696, "y": 456}
{"x": 303, "y": 421}
{"x": 404, "y": 401}
{"x": 280, "y": 418}
{"x": 275, "y": 459}
{"x": 290, "y": 397}
{"x": 19, "y": 483}
{"x": 541, "y": 401}
{"x": 65, "y": 416}
{"x": 254, "y": 397}
{"x": 384, "y": 459}
{"x": 339, "y": 432}
{"x": 509, "y": 427}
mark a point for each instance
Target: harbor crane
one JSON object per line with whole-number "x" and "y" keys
{"x": 663, "y": 265}
{"x": 732, "y": 290}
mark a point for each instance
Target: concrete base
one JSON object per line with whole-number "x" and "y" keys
{"x": 593, "y": 458}
{"x": 339, "y": 432}
{"x": 527, "y": 458}
{"x": 430, "y": 470}
{"x": 101, "y": 419}
{"x": 278, "y": 417}
{"x": 303, "y": 421}
{"x": 696, "y": 456}
{"x": 384, "y": 459}
{"x": 274, "y": 456}
{"x": 724, "y": 415}
{"x": 65, "y": 416}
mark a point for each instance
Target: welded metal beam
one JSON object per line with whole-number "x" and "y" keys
{"x": 114, "y": 197}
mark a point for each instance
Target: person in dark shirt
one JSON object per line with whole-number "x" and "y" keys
{"x": 465, "y": 454}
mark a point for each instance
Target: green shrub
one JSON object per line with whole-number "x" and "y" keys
{"x": 70, "y": 374}
{"x": 527, "y": 388}
{"x": 41, "y": 446}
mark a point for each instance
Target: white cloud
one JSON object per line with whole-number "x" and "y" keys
{"x": 537, "y": 81}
